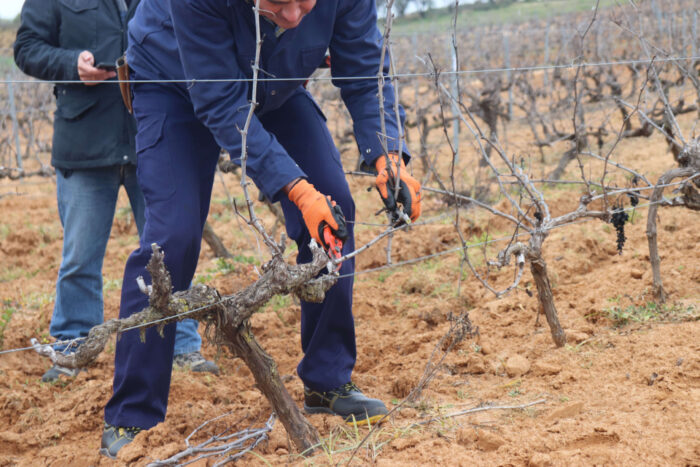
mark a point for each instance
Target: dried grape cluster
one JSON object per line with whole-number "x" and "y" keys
{"x": 618, "y": 219}
{"x": 634, "y": 198}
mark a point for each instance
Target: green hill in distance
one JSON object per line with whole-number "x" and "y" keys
{"x": 491, "y": 13}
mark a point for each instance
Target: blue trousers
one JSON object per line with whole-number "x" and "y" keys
{"x": 177, "y": 159}
{"x": 87, "y": 199}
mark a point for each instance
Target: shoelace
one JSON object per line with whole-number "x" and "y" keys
{"x": 129, "y": 431}
{"x": 349, "y": 387}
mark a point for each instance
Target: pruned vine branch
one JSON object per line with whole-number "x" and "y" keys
{"x": 202, "y": 302}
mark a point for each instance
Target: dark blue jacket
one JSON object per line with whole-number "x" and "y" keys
{"x": 215, "y": 39}
{"x": 91, "y": 125}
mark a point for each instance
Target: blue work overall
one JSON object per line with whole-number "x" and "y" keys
{"x": 183, "y": 125}
{"x": 177, "y": 160}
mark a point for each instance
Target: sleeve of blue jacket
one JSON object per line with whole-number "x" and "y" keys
{"x": 36, "y": 49}
{"x": 355, "y": 50}
{"x": 206, "y": 42}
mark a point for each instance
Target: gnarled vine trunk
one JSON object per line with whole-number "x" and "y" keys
{"x": 230, "y": 315}
{"x": 538, "y": 267}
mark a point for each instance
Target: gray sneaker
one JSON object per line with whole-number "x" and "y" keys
{"x": 56, "y": 371}
{"x": 348, "y": 402}
{"x": 116, "y": 437}
{"x": 194, "y": 361}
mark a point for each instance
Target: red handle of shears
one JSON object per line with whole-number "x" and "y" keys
{"x": 332, "y": 244}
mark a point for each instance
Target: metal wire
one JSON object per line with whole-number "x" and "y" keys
{"x": 365, "y": 271}
{"x": 191, "y": 82}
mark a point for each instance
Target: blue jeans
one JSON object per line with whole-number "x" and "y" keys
{"x": 87, "y": 199}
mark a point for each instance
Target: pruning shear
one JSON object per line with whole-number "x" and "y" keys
{"x": 333, "y": 241}
{"x": 396, "y": 214}
{"x": 398, "y": 217}
{"x": 333, "y": 246}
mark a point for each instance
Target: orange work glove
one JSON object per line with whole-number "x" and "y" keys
{"x": 409, "y": 187}
{"x": 318, "y": 211}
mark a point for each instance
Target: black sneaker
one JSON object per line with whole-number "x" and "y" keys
{"x": 346, "y": 401}
{"x": 194, "y": 361}
{"x": 56, "y": 371}
{"x": 116, "y": 437}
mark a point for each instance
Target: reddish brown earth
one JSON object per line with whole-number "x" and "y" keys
{"x": 625, "y": 395}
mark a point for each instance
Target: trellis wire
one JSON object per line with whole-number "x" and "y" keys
{"x": 639, "y": 61}
{"x": 451, "y": 74}
{"x": 364, "y": 271}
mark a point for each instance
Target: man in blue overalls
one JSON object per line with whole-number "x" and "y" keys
{"x": 291, "y": 158}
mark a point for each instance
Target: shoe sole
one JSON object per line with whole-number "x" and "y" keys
{"x": 369, "y": 421}
{"x": 58, "y": 376}
{"x": 205, "y": 370}
{"x": 106, "y": 453}
{"x": 351, "y": 422}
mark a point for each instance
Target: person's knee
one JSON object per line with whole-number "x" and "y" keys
{"x": 85, "y": 258}
{"x": 182, "y": 240}
{"x": 175, "y": 231}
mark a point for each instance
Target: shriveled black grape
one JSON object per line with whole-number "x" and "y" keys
{"x": 618, "y": 219}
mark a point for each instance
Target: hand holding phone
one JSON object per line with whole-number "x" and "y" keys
{"x": 91, "y": 74}
{"x": 106, "y": 66}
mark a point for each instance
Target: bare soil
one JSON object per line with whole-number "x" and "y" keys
{"x": 616, "y": 394}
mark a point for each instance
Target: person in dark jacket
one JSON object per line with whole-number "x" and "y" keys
{"x": 93, "y": 153}
{"x": 210, "y": 45}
